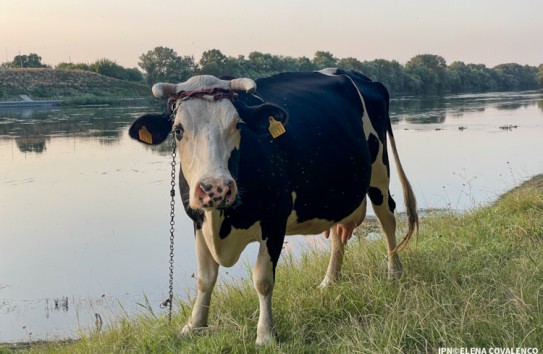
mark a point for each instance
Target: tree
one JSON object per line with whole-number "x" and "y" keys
{"x": 27, "y": 61}
{"x": 213, "y": 62}
{"x": 72, "y": 66}
{"x": 262, "y": 64}
{"x": 324, "y": 59}
{"x": 431, "y": 70}
{"x": 163, "y": 64}
{"x": 305, "y": 64}
{"x": 350, "y": 63}
{"x": 539, "y": 76}
{"x": 390, "y": 73}
{"x": 108, "y": 68}
{"x": 133, "y": 74}
{"x": 105, "y": 67}
{"x": 459, "y": 77}
{"x": 515, "y": 77}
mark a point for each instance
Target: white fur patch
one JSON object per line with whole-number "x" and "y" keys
{"x": 209, "y": 137}
{"x": 329, "y": 71}
{"x": 227, "y": 251}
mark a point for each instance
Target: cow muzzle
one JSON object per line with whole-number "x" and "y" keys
{"x": 215, "y": 193}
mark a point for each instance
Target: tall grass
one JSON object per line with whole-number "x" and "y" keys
{"x": 471, "y": 280}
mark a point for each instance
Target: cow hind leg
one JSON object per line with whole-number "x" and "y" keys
{"x": 208, "y": 271}
{"x": 336, "y": 259}
{"x": 384, "y": 206}
{"x": 341, "y": 233}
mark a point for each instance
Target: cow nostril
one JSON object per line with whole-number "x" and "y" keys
{"x": 213, "y": 192}
{"x": 205, "y": 187}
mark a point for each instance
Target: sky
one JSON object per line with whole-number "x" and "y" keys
{"x": 489, "y": 32}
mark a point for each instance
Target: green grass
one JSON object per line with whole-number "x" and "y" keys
{"x": 470, "y": 280}
{"x": 66, "y": 84}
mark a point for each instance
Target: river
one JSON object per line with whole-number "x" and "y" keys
{"x": 84, "y": 211}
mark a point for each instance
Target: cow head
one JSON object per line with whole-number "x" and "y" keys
{"x": 206, "y": 125}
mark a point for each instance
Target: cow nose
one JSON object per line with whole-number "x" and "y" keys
{"x": 213, "y": 193}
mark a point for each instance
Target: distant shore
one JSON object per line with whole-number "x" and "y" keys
{"x": 32, "y": 103}
{"x": 49, "y": 87}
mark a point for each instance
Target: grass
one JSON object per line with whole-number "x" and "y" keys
{"x": 470, "y": 280}
{"x": 65, "y": 84}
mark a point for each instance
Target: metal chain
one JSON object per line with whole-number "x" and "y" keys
{"x": 169, "y": 301}
{"x": 172, "y": 224}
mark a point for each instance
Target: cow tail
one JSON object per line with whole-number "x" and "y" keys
{"x": 408, "y": 195}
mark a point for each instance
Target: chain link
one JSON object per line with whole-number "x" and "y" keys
{"x": 169, "y": 301}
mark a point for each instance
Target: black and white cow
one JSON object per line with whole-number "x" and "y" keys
{"x": 240, "y": 183}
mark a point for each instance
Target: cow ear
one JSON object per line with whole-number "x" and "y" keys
{"x": 151, "y": 129}
{"x": 258, "y": 118}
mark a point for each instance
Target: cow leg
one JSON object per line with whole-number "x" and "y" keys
{"x": 384, "y": 206}
{"x": 341, "y": 233}
{"x": 336, "y": 258}
{"x": 264, "y": 281}
{"x": 208, "y": 271}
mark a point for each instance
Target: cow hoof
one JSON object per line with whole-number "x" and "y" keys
{"x": 394, "y": 275}
{"x": 395, "y": 268}
{"x": 186, "y": 329}
{"x": 326, "y": 282}
{"x": 265, "y": 339}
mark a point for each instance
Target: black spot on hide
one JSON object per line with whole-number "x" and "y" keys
{"x": 373, "y": 145}
{"x": 391, "y": 203}
{"x": 386, "y": 163}
{"x": 226, "y": 228}
{"x": 375, "y": 195}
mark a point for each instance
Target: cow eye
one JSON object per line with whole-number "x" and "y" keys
{"x": 179, "y": 132}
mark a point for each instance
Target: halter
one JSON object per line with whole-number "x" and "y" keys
{"x": 215, "y": 94}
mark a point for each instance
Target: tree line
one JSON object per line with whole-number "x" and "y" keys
{"x": 102, "y": 66}
{"x": 424, "y": 74}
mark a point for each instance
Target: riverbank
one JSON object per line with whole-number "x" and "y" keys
{"x": 83, "y": 100}
{"x": 470, "y": 280}
{"x": 28, "y": 103}
{"x": 63, "y": 85}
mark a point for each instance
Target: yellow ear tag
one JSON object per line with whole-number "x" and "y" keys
{"x": 145, "y": 136}
{"x": 276, "y": 128}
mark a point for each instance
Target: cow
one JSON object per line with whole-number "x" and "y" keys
{"x": 291, "y": 154}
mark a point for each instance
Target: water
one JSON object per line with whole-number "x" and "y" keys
{"x": 84, "y": 211}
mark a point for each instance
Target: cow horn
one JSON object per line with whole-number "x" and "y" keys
{"x": 162, "y": 89}
{"x": 243, "y": 84}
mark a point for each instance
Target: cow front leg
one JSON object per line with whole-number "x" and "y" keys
{"x": 264, "y": 281}
{"x": 208, "y": 270}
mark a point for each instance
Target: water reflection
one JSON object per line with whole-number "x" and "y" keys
{"x": 435, "y": 110}
{"x": 35, "y": 144}
{"x": 418, "y": 111}
{"x": 33, "y": 129}
{"x": 86, "y": 210}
